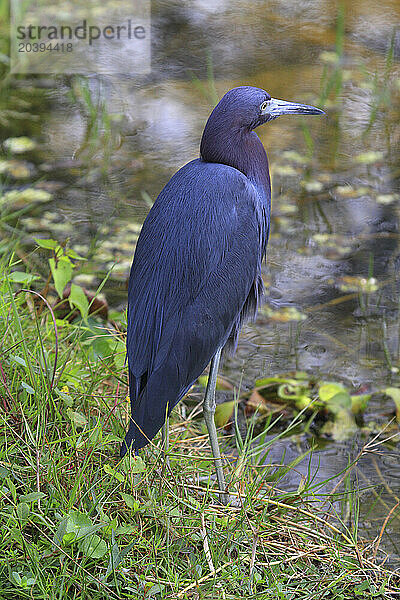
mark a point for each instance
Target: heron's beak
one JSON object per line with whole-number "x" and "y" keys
{"x": 276, "y": 108}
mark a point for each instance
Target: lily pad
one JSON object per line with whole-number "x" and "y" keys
{"x": 335, "y": 397}
{"x": 357, "y": 284}
{"x": 16, "y": 168}
{"x": 19, "y": 198}
{"x": 18, "y": 145}
{"x": 369, "y": 158}
{"x": 394, "y": 394}
{"x": 312, "y": 186}
{"x": 283, "y": 315}
{"x": 387, "y": 198}
{"x": 348, "y": 191}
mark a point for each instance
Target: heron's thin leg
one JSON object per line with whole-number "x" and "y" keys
{"x": 208, "y": 412}
{"x": 165, "y": 440}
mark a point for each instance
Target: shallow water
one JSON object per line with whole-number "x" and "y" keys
{"x": 334, "y": 216}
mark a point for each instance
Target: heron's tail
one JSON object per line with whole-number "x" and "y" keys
{"x": 151, "y": 405}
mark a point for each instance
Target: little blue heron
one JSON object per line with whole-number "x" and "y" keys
{"x": 196, "y": 273}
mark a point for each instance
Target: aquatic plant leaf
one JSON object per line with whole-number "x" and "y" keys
{"x": 369, "y": 158}
{"x": 359, "y": 403}
{"x": 16, "y": 168}
{"x": 20, "y": 198}
{"x": 335, "y": 397}
{"x": 394, "y": 394}
{"x": 387, "y": 198}
{"x": 223, "y": 413}
{"x": 312, "y": 185}
{"x": 283, "y": 315}
{"x": 343, "y": 426}
{"x": 18, "y": 145}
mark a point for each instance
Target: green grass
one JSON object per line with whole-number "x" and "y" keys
{"x": 76, "y": 523}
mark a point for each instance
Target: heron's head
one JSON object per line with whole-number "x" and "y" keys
{"x": 248, "y": 107}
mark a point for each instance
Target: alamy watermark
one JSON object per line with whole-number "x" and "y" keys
{"x": 80, "y": 37}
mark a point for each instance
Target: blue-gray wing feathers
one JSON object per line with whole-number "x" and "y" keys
{"x": 194, "y": 278}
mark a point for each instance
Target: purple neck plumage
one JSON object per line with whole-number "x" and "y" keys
{"x": 225, "y": 142}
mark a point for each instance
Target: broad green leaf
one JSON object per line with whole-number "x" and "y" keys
{"x": 133, "y": 464}
{"x": 359, "y": 403}
{"x": 72, "y": 254}
{"x": 130, "y": 501}
{"x": 93, "y": 546}
{"x": 120, "y": 355}
{"x": 68, "y": 538}
{"x": 77, "y": 299}
{"x": 62, "y": 273}
{"x": 223, "y": 413}
{"x": 335, "y": 396}
{"x": 21, "y": 277}
{"x": 28, "y": 388}
{"x": 23, "y": 511}
{"x": 220, "y": 385}
{"x": 48, "y": 244}
{"x": 303, "y": 402}
{"x": 77, "y": 418}
{"x": 77, "y": 521}
{"x": 111, "y": 471}
{"x": 32, "y": 497}
{"x": 156, "y": 588}
{"x": 18, "y": 360}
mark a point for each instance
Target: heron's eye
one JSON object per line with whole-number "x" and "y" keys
{"x": 265, "y": 104}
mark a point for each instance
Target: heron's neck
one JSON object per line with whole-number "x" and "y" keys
{"x": 241, "y": 149}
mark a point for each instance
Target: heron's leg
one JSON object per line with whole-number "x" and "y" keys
{"x": 208, "y": 412}
{"x": 165, "y": 440}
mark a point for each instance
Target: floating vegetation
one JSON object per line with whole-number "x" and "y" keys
{"x": 332, "y": 407}
{"x": 312, "y": 186}
{"x": 369, "y": 158}
{"x": 349, "y": 191}
{"x": 333, "y": 246}
{"x": 282, "y": 315}
{"x": 387, "y": 198}
{"x": 285, "y": 170}
{"x": 19, "y": 145}
{"x": 357, "y": 283}
{"x": 17, "y": 169}
{"x": 20, "y": 198}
